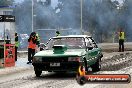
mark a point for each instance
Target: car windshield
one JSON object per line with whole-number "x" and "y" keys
{"x": 71, "y": 43}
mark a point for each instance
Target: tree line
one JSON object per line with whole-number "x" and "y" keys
{"x": 102, "y": 18}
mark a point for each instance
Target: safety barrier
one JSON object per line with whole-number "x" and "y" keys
{"x": 7, "y": 56}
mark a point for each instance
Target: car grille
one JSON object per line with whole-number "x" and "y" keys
{"x": 55, "y": 59}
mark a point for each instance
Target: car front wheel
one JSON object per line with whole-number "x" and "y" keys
{"x": 96, "y": 66}
{"x": 37, "y": 73}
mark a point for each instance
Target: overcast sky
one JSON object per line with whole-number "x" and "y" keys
{"x": 54, "y": 2}
{"x": 18, "y": 1}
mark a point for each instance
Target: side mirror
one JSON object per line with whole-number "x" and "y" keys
{"x": 90, "y": 48}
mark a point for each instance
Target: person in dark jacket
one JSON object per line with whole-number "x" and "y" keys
{"x": 16, "y": 45}
{"x": 31, "y": 46}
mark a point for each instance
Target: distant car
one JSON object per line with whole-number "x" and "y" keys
{"x": 67, "y": 53}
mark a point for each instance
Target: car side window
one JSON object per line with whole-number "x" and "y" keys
{"x": 90, "y": 42}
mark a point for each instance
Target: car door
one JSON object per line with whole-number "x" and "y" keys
{"x": 92, "y": 51}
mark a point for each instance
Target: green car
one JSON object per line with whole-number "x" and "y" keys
{"x": 67, "y": 53}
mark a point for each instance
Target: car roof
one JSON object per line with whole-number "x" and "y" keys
{"x": 76, "y": 36}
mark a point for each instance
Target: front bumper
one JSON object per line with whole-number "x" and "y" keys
{"x": 64, "y": 66}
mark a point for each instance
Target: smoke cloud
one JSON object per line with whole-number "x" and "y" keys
{"x": 101, "y": 18}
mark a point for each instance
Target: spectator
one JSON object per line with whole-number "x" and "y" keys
{"x": 16, "y": 45}
{"x": 121, "y": 40}
{"x": 38, "y": 40}
{"x": 31, "y": 46}
{"x": 57, "y": 33}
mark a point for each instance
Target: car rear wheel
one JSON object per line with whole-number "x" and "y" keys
{"x": 96, "y": 66}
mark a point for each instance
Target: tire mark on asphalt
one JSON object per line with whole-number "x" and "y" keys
{"x": 117, "y": 62}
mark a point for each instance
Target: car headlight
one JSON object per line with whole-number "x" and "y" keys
{"x": 74, "y": 59}
{"x": 37, "y": 59}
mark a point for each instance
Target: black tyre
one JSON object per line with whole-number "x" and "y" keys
{"x": 38, "y": 73}
{"x": 96, "y": 66}
{"x": 81, "y": 80}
